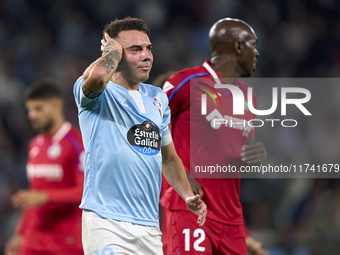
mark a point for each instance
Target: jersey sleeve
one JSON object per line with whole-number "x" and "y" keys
{"x": 81, "y": 100}
{"x": 68, "y": 195}
{"x": 166, "y": 115}
{"x": 178, "y": 92}
{"x": 177, "y": 89}
{"x": 166, "y": 137}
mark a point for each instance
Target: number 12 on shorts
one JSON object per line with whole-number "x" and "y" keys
{"x": 197, "y": 233}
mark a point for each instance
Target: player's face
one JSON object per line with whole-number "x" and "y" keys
{"x": 250, "y": 55}
{"x": 40, "y": 113}
{"x": 137, "y": 58}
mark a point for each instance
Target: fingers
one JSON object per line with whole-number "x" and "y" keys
{"x": 198, "y": 191}
{"x": 256, "y": 249}
{"x": 254, "y": 160}
{"x": 106, "y": 37}
{"x": 196, "y": 187}
{"x": 103, "y": 45}
{"x": 201, "y": 192}
{"x": 23, "y": 199}
{"x": 202, "y": 214}
{"x": 198, "y": 207}
{"x": 193, "y": 202}
{"x": 18, "y": 199}
{"x": 109, "y": 44}
{"x": 253, "y": 148}
{"x": 10, "y": 249}
{"x": 253, "y": 153}
{"x": 261, "y": 252}
{"x": 194, "y": 199}
{"x": 13, "y": 245}
{"x": 104, "y": 41}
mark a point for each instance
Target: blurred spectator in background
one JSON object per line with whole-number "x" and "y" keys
{"x": 51, "y": 220}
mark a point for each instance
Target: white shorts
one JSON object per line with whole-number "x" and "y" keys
{"x": 109, "y": 237}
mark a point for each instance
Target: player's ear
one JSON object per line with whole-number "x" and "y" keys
{"x": 238, "y": 47}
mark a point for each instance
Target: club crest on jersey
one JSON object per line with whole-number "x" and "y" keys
{"x": 122, "y": 100}
{"x": 54, "y": 151}
{"x": 147, "y": 125}
{"x": 158, "y": 105}
{"x": 145, "y": 138}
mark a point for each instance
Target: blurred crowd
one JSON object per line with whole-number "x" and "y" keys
{"x": 297, "y": 38}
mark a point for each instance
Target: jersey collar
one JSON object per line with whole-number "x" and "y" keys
{"x": 61, "y": 132}
{"x": 212, "y": 72}
{"x": 216, "y": 76}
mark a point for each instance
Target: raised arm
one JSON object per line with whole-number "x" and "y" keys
{"x": 99, "y": 73}
{"x": 174, "y": 173}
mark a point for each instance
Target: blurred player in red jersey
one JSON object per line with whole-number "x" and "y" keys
{"x": 51, "y": 220}
{"x": 234, "y": 55}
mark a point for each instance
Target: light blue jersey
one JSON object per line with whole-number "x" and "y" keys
{"x": 123, "y": 158}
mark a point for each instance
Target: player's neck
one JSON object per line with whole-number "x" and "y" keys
{"x": 55, "y": 126}
{"x": 120, "y": 80}
{"x": 226, "y": 67}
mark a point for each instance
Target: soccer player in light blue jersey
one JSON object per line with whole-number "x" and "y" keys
{"x": 124, "y": 124}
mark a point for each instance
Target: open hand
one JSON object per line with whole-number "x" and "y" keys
{"x": 111, "y": 45}
{"x": 12, "y": 247}
{"x": 254, "y": 247}
{"x": 28, "y": 198}
{"x": 253, "y": 154}
{"x": 198, "y": 207}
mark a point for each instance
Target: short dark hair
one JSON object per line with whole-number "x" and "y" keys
{"x": 128, "y": 23}
{"x": 44, "y": 88}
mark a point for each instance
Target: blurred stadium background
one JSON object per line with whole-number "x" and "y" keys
{"x": 297, "y": 38}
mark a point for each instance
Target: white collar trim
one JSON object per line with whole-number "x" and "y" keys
{"x": 212, "y": 72}
{"x": 62, "y": 131}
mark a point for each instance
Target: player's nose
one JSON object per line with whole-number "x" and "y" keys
{"x": 147, "y": 55}
{"x": 257, "y": 53}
